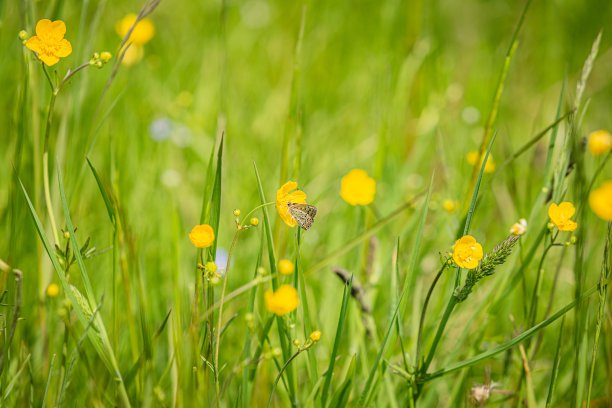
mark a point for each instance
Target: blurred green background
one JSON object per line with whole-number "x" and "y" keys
{"x": 398, "y": 88}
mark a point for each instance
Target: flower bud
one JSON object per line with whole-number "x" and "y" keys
{"x": 105, "y": 56}
{"x": 23, "y": 35}
{"x": 254, "y": 221}
{"x": 315, "y": 336}
{"x": 236, "y": 212}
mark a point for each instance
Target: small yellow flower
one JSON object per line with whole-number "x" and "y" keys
{"x": 519, "y": 228}
{"x": 49, "y": 43}
{"x": 599, "y": 142}
{"x": 600, "y": 201}
{"x": 357, "y": 188}
{"x": 52, "y": 290}
{"x": 105, "y": 56}
{"x": 285, "y": 267}
{"x": 285, "y": 195}
{"x": 472, "y": 157}
{"x": 202, "y": 236}
{"x": 560, "y": 216}
{"x": 315, "y": 336}
{"x": 467, "y": 253}
{"x": 142, "y": 33}
{"x": 449, "y": 205}
{"x": 283, "y": 301}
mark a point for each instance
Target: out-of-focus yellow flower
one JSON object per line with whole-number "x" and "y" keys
{"x": 519, "y": 228}
{"x": 283, "y": 301}
{"x": 472, "y": 158}
{"x": 449, "y": 205}
{"x": 52, "y": 290}
{"x": 285, "y": 195}
{"x": 600, "y": 201}
{"x": 599, "y": 142}
{"x": 49, "y": 43}
{"x": 285, "y": 267}
{"x": 132, "y": 55}
{"x": 142, "y": 33}
{"x": 202, "y": 236}
{"x": 560, "y": 216}
{"x": 467, "y": 253}
{"x": 315, "y": 336}
{"x": 357, "y": 188}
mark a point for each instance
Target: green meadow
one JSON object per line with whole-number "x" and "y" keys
{"x": 262, "y": 203}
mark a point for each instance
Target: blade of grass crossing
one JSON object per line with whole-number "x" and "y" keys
{"x": 337, "y": 340}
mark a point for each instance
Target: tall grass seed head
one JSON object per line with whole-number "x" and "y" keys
{"x": 202, "y": 236}
{"x": 560, "y": 216}
{"x": 288, "y": 194}
{"x": 467, "y": 253}
{"x": 599, "y": 142}
{"x": 358, "y": 188}
{"x": 284, "y": 300}
{"x": 285, "y": 267}
{"x": 600, "y": 201}
{"x": 49, "y": 43}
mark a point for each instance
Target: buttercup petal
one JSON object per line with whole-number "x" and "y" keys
{"x": 64, "y": 49}
{"x": 297, "y": 197}
{"x": 34, "y": 44}
{"x": 49, "y": 60}
{"x": 553, "y": 212}
{"x": 567, "y": 209}
{"x": 43, "y": 27}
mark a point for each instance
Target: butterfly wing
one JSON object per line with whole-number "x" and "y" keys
{"x": 303, "y": 214}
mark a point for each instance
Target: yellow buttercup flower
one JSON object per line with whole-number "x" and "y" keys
{"x": 283, "y": 301}
{"x": 285, "y": 267}
{"x": 599, "y": 142}
{"x": 472, "y": 158}
{"x": 285, "y": 195}
{"x": 600, "y": 201}
{"x": 49, "y": 43}
{"x": 449, "y": 205}
{"x": 560, "y": 216}
{"x": 357, "y": 188}
{"x": 52, "y": 290}
{"x": 202, "y": 236}
{"x": 467, "y": 253}
{"x": 142, "y": 33}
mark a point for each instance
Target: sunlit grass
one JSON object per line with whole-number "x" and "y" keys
{"x": 305, "y": 204}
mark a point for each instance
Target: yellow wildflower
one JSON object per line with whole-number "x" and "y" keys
{"x": 357, "y": 188}
{"x": 285, "y": 195}
{"x": 467, "y": 253}
{"x": 600, "y": 201}
{"x": 599, "y": 142}
{"x": 449, "y": 205}
{"x": 472, "y": 157}
{"x": 285, "y": 267}
{"x": 202, "y": 236}
{"x": 283, "y": 301}
{"x": 315, "y": 336}
{"x": 49, "y": 43}
{"x": 52, "y": 290}
{"x": 560, "y": 216}
{"x": 142, "y": 33}
{"x": 519, "y": 228}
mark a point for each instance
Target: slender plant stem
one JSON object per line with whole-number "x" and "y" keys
{"x": 424, "y": 311}
{"x": 452, "y": 302}
{"x": 220, "y": 319}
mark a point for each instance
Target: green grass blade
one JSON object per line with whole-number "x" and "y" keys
{"x": 555, "y": 369}
{"x": 110, "y": 209}
{"x": 337, "y": 340}
{"x": 508, "y": 345}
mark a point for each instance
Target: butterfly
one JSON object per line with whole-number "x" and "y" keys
{"x": 303, "y": 214}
